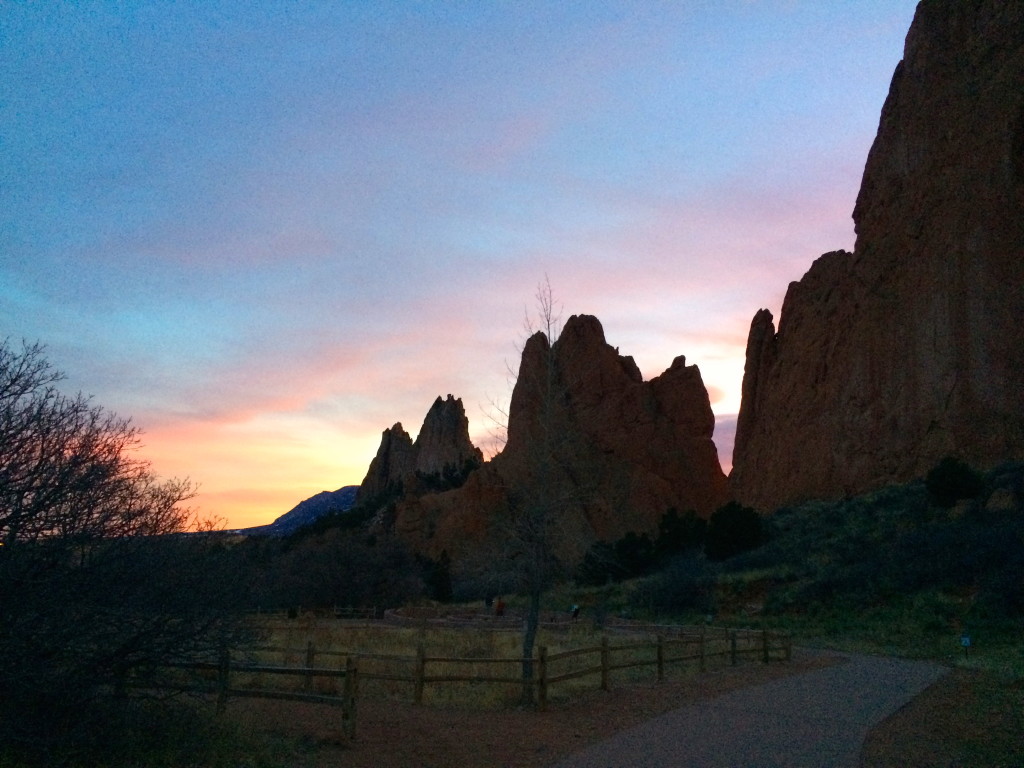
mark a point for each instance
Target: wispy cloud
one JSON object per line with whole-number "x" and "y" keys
{"x": 269, "y": 233}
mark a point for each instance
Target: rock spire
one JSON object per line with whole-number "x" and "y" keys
{"x": 442, "y": 449}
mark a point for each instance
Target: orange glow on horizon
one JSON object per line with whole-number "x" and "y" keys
{"x": 250, "y": 473}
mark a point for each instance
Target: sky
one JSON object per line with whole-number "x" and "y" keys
{"x": 266, "y": 232}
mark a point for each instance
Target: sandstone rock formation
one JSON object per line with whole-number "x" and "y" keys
{"x": 442, "y": 450}
{"x": 395, "y": 459}
{"x": 907, "y": 350}
{"x": 616, "y": 452}
{"x": 631, "y": 449}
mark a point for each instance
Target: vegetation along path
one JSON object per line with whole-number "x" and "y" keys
{"x": 816, "y": 719}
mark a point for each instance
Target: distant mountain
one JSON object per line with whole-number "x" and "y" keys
{"x": 308, "y": 511}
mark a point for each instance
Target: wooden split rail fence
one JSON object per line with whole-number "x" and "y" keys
{"x": 227, "y": 672}
{"x": 675, "y": 646}
{"x": 701, "y": 647}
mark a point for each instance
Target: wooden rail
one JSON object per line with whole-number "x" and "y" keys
{"x": 673, "y": 646}
{"x": 225, "y": 669}
{"x": 337, "y": 612}
{"x": 731, "y": 644}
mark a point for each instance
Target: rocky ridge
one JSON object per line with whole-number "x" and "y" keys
{"x": 635, "y": 448}
{"x": 618, "y": 452}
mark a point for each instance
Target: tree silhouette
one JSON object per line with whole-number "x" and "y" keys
{"x": 732, "y": 529}
{"x": 94, "y": 584}
{"x": 537, "y": 536}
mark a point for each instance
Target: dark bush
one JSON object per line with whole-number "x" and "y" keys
{"x": 437, "y": 576}
{"x": 951, "y": 480}
{"x": 687, "y": 583}
{"x": 631, "y": 556}
{"x": 104, "y": 570}
{"x": 635, "y": 554}
{"x": 600, "y": 566}
{"x": 731, "y": 530}
{"x": 335, "y": 568}
{"x": 679, "y": 533}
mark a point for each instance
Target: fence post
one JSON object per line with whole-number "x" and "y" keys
{"x": 351, "y": 695}
{"x": 732, "y": 647}
{"x": 310, "y": 657}
{"x": 604, "y": 663}
{"x": 703, "y": 652}
{"x": 223, "y": 677}
{"x": 661, "y": 658}
{"x": 421, "y": 666}
{"x": 542, "y": 677}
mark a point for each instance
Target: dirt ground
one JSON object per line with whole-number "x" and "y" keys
{"x": 936, "y": 729}
{"x": 401, "y": 735}
{"x": 966, "y": 720}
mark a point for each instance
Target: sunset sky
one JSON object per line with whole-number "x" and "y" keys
{"x": 269, "y": 231}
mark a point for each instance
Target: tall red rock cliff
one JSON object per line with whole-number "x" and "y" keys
{"x": 909, "y": 349}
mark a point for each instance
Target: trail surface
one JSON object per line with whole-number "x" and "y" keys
{"x": 815, "y": 720}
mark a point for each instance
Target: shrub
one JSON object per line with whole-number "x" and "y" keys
{"x": 635, "y": 554}
{"x": 687, "y": 583}
{"x": 731, "y": 530}
{"x": 599, "y": 566}
{"x": 951, "y": 480}
{"x": 97, "y": 577}
{"x": 679, "y": 533}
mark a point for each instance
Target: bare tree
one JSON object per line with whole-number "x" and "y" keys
{"x": 95, "y": 576}
{"x": 539, "y": 532}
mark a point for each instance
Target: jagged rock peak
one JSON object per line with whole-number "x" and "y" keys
{"x": 579, "y": 360}
{"x": 395, "y": 458}
{"x": 643, "y": 446}
{"x": 906, "y": 351}
{"x": 443, "y": 442}
{"x": 442, "y": 447}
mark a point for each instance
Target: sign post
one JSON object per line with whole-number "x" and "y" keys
{"x": 965, "y": 643}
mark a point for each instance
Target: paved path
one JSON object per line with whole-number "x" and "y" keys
{"x": 815, "y": 720}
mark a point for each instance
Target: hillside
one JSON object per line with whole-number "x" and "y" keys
{"x": 908, "y": 568}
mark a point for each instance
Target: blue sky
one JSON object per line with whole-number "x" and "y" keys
{"x": 268, "y": 231}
